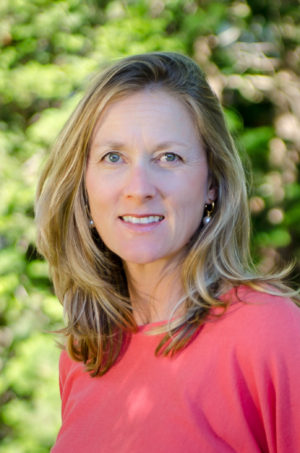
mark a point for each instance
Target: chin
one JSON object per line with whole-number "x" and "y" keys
{"x": 149, "y": 256}
{"x": 145, "y": 259}
{"x": 140, "y": 257}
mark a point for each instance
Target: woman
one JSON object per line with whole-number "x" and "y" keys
{"x": 174, "y": 342}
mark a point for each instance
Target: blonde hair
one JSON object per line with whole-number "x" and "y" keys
{"x": 89, "y": 279}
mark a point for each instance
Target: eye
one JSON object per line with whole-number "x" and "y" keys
{"x": 112, "y": 157}
{"x": 170, "y": 157}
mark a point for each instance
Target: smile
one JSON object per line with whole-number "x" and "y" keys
{"x": 142, "y": 220}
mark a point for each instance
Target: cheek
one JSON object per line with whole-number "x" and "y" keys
{"x": 194, "y": 188}
{"x": 97, "y": 190}
{"x": 194, "y": 196}
{"x": 99, "y": 202}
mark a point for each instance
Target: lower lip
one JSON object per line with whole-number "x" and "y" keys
{"x": 141, "y": 227}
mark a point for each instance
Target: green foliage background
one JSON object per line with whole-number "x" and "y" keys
{"x": 49, "y": 49}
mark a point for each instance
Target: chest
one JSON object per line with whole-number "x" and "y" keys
{"x": 149, "y": 403}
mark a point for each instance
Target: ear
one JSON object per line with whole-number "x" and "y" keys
{"x": 211, "y": 193}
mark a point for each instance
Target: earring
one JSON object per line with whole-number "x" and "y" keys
{"x": 209, "y": 208}
{"x": 91, "y": 221}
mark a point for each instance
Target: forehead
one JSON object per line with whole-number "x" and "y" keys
{"x": 155, "y": 110}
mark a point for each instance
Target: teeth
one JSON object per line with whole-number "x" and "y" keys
{"x": 142, "y": 220}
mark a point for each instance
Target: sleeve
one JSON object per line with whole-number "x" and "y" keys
{"x": 64, "y": 365}
{"x": 284, "y": 365}
{"x": 273, "y": 369}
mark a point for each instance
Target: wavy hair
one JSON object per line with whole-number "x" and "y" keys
{"x": 88, "y": 278}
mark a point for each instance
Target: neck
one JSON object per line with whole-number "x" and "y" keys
{"x": 154, "y": 290}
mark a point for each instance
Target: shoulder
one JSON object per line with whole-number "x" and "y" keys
{"x": 260, "y": 321}
{"x": 68, "y": 367}
{"x": 64, "y": 362}
{"x": 244, "y": 302}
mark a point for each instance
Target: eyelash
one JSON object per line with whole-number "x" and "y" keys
{"x": 176, "y": 157}
{"x": 111, "y": 153}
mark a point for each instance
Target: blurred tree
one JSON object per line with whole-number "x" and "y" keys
{"x": 49, "y": 49}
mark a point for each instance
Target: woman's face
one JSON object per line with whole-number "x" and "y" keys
{"x": 147, "y": 177}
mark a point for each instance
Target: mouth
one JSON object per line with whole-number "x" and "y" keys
{"x": 142, "y": 220}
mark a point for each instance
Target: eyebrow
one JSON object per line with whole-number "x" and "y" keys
{"x": 118, "y": 146}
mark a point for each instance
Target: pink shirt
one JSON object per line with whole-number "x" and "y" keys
{"x": 235, "y": 388}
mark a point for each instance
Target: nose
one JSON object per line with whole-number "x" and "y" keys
{"x": 139, "y": 184}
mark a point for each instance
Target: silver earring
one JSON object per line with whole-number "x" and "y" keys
{"x": 91, "y": 221}
{"x": 209, "y": 208}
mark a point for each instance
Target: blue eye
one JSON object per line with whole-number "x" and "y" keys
{"x": 112, "y": 157}
{"x": 170, "y": 157}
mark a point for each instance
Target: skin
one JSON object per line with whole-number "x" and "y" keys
{"x": 147, "y": 161}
